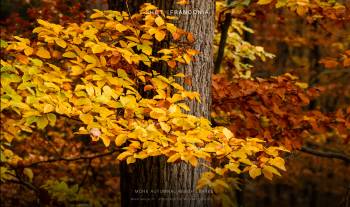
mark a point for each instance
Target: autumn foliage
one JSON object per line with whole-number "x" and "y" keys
{"x": 95, "y": 89}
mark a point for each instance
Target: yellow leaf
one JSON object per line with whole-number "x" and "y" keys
{"x": 90, "y": 90}
{"x": 165, "y": 127}
{"x": 121, "y": 27}
{"x": 278, "y": 162}
{"x": 61, "y": 43}
{"x": 123, "y": 155}
{"x": 254, "y": 172}
{"x": 28, "y": 51}
{"x": 184, "y": 106}
{"x": 160, "y": 35}
{"x": 146, "y": 49}
{"x": 96, "y": 15}
{"x": 106, "y": 141}
{"x": 174, "y": 157}
{"x": 90, "y": 59}
{"x": 193, "y": 160}
{"x": 43, "y": 53}
{"x": 228, "y": 134}
{"x": 159, "y": 21}
{"x": 272, "y": 151}
{"x": 187, "y": 58}
{"x": 97, "y": 49}
{"x": 48, "y": 108}
{"x": 271, "y": 169}
{"x": 158, "y": 113}
{"x": 86, "y": 118}
{"x": 128, "y": 102}
{"x": 76, "y": 70}
{"x": 263, "y": 2}
{"x": 302, "y": 85}
{"x": 69, "y": 55}
{"x": 233, "y": 167}
{"x": 141, "y": 155}
{"x": 42, "y": 122}
{"x": 120, "y": 140}
{"x": 130, "y": 160}
{"x": 29, "y": 173}
{"x": 52, "y": 118}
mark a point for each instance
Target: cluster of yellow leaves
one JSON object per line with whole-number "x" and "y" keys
{"x": 90, "y": 73}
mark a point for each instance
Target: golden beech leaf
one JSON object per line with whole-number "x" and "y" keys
{"x": 86, "y": 118}
{"x": 263, "y": 2}
{"x": 76, "y": 70}
{"x": 228, "y": 134}
{"x": 187, "y": 58}
{"x": 270, "y": 169}
{"x": 61, "y": 43}
{"x": 130, "y": 160}
{"x": 165, "y": 127}
{"x": 28, "y": 51}
{"x": 69, "y": 55}
{"x": 121, "y": 27}
{"x": 278, "y": 162}
{"x": 121, "y": 139}
{"x": 146, "y": 49}
{"x": 174, "y": 157}
{"x": 29, "y": 173}
{"x": 160, "y": 35}
{"x": 43, "y": 53}
{"x": 42, "y": 122}
{"x": 97, "y": 49}
{"x": 193, "y": 160}
{"x": 89, "y": 59}
{"x": 254, "y": 172}
{"x": 48, "y": 108}
{"x": 96, "y": 15}
{"x": 158, "y": 113}
{"x": 106, "y": 141}
{"x": 159, "y": 21}
{"x": 123, "y": 155}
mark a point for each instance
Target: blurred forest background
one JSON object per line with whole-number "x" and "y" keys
{"x": 316, "y": 51}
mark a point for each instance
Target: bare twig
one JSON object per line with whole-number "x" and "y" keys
{"x": 85, "y": 175}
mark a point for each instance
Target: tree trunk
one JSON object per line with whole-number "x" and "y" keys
{"x": 153, "y": 182}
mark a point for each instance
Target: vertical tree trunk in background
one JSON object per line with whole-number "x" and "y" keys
{"x": 142, "y": 182}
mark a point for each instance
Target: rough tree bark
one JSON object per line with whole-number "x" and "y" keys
{"x": 153, "y": 182}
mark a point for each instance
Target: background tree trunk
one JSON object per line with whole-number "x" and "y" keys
{"x": 153, "y": 182}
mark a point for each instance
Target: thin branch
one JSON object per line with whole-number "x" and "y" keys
{"x": 22, "y": 182}
{"x": 334, "y": 155}
{"x": 71, "y": 159}
{"x": 85, "y": 175}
